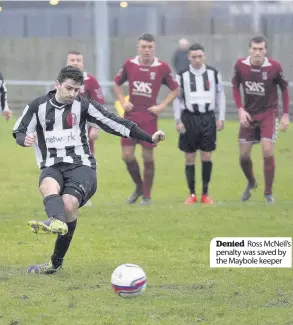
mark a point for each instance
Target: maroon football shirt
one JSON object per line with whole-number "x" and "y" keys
{"x": 145, "y": 81}
{"x": 259, "y": 85}
{"x": 91, "y": 88}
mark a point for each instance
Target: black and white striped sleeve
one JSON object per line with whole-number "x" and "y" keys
{"x": 3, "y": 93}
{"x": 178, "y": 102}
{"x": 220, "y": 96}
{"x": 100, "y": 117}
{"x": 26, "y": 123}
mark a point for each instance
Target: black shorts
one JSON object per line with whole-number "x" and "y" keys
{"x": 201, "y": 132}
{"x": 76, "y": 180}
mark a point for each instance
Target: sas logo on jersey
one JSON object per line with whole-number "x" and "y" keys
{"x": 152, "y": 75}
{"x": 255, "y": 88}
{"x": 141, "y": 88}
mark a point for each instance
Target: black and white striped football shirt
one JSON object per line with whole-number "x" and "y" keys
{"x": 3, "y": 94}
{"x": 200, "y": 89}
{"x": 62, "y": 130}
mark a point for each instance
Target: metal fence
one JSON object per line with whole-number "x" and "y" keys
{"x": 42, "y": 87}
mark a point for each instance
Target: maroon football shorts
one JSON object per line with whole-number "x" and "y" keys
{"x": 147, "y": 122}
{"x": 264, "y": 125}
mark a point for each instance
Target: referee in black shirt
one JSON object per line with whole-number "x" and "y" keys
{"x": 56, "y": 126}
{"x": 202, "y": 93}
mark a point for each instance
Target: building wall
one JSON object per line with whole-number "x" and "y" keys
{"x": 41, "y": 59}
{"x": 36, "y": 37}
{"x": 76, "y": 19}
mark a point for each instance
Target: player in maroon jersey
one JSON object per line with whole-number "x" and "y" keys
{"x": 145, "y": 74}
{"x": 90, "y": 89}
{"x": 259, "y": 77}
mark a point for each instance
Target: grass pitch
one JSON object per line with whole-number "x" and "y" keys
{"x": 168, "y": 240}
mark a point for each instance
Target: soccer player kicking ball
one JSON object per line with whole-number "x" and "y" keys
{"x": 259, "y": 77}
{"x": 56, "y": 126}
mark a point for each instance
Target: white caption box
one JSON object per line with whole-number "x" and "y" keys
{"x": 272, "y": 252}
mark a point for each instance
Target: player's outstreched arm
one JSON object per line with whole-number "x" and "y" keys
{"x": 3, "y": 94}
{"x": 100, "y": 117}
{"x": 220, "y": 97}
{"x": 95, "y": 91}
{"x": 236, "y": 81}
{"x": 26, "y": 124}
{"x": 178, "y": 101}
{"x": 283, "y": 84}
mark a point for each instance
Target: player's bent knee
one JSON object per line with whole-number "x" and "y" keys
{"x": 71, "y": 203}
{"x": 49, "y": 186}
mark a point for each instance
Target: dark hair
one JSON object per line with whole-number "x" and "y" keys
{"x": 70, "y": 72}
{"x": 74, "y": 52}
{"x": 258, "y": 40}
{"x": 196, "y": 47}
{"x": 147, "y": 37}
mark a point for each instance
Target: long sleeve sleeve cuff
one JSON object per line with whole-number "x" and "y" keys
{"x": 20, "y": 137}
{"x": 138, "y": 133}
